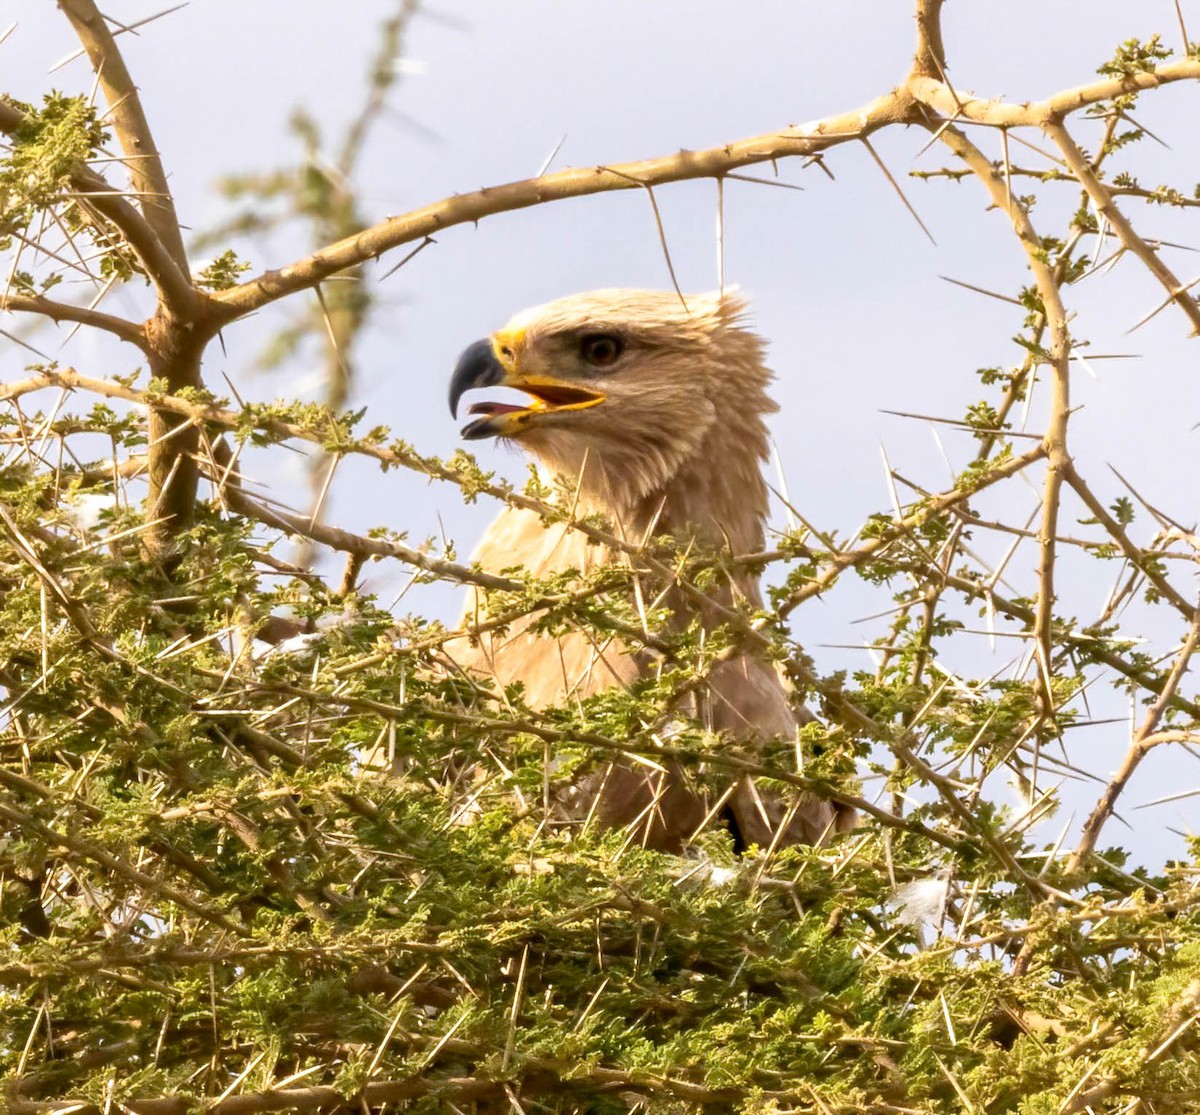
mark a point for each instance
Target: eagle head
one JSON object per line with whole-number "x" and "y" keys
{"x": 628, "y": 387}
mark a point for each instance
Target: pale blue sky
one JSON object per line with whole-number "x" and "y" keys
{"x": 843, "y": 282}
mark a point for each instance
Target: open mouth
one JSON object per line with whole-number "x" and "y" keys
{"x": 545, "y": 397}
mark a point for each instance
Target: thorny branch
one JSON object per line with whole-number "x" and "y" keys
{"x": 905, "y": 105}
{"x": 62, "y": 311}
{"x": 1146, "y": 737}
{"x": 1055, "y": 440}
{"x": 1107, "y": 208}
{"x": 148, "y": 178}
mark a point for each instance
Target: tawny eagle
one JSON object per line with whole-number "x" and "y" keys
{"x": 651, "y": 409}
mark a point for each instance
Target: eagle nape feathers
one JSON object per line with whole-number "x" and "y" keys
{"x": 650, "y": 407}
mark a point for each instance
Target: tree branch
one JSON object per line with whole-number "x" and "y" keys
{"x": 852, "y": 559}
{"x": 1055, "y": 440}
{"x": 128, "y": 331}
{"x": 713, "y": 162}
{"x": 1145, "y": 739}
{"x": 363, "y": 547}
{"x": 171, "y": 280}
{"x": 1036, "y": 114}
{"x": 397, "y": 456}
{"x": 1087, "y": 646}
{"x": 542, "y": 1076}
{"x": 1135, "y": 556}
{"x": 806, "y": 140}
{"x": 930, "y": 58}
{"x": 147, "y": 175}
{"x": 72, "y": 842}
{"x": 1099, "y": 194}
{"x": 173, "y": 355}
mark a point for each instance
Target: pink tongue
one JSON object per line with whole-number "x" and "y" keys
{"x": 492, "y": 409}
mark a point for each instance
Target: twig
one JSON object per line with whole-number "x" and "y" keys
{"x": 62, "y": 311}
{"x": 1055, "y": 439}
{"x": 1146, "y": 738}
{"x": 147, "y": 175}
{"x": 1136, "y": 556}
{"x": 1103, "y": 201}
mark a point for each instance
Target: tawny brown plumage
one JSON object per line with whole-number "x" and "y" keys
{"x": 653, "y": 414}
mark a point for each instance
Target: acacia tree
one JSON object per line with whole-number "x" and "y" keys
{"x": 234, "y": 881}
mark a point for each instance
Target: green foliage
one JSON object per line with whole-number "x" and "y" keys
{"x": 51, "y": 144}
{"x": 1135, "y": 57}
{"x": 223, "y": 272}
{"x": 219, "y": 861}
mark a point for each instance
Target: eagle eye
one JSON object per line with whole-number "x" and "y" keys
{"x": 601, "y": 350}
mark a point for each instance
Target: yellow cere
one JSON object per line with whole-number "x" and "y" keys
{"x": 507, "y": 339}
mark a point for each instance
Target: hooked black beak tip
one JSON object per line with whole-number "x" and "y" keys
{"x": 477, "y": 367}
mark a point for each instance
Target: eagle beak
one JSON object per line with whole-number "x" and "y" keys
{"x": 477, "y": 367}
{"x": 480, "y": 366}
